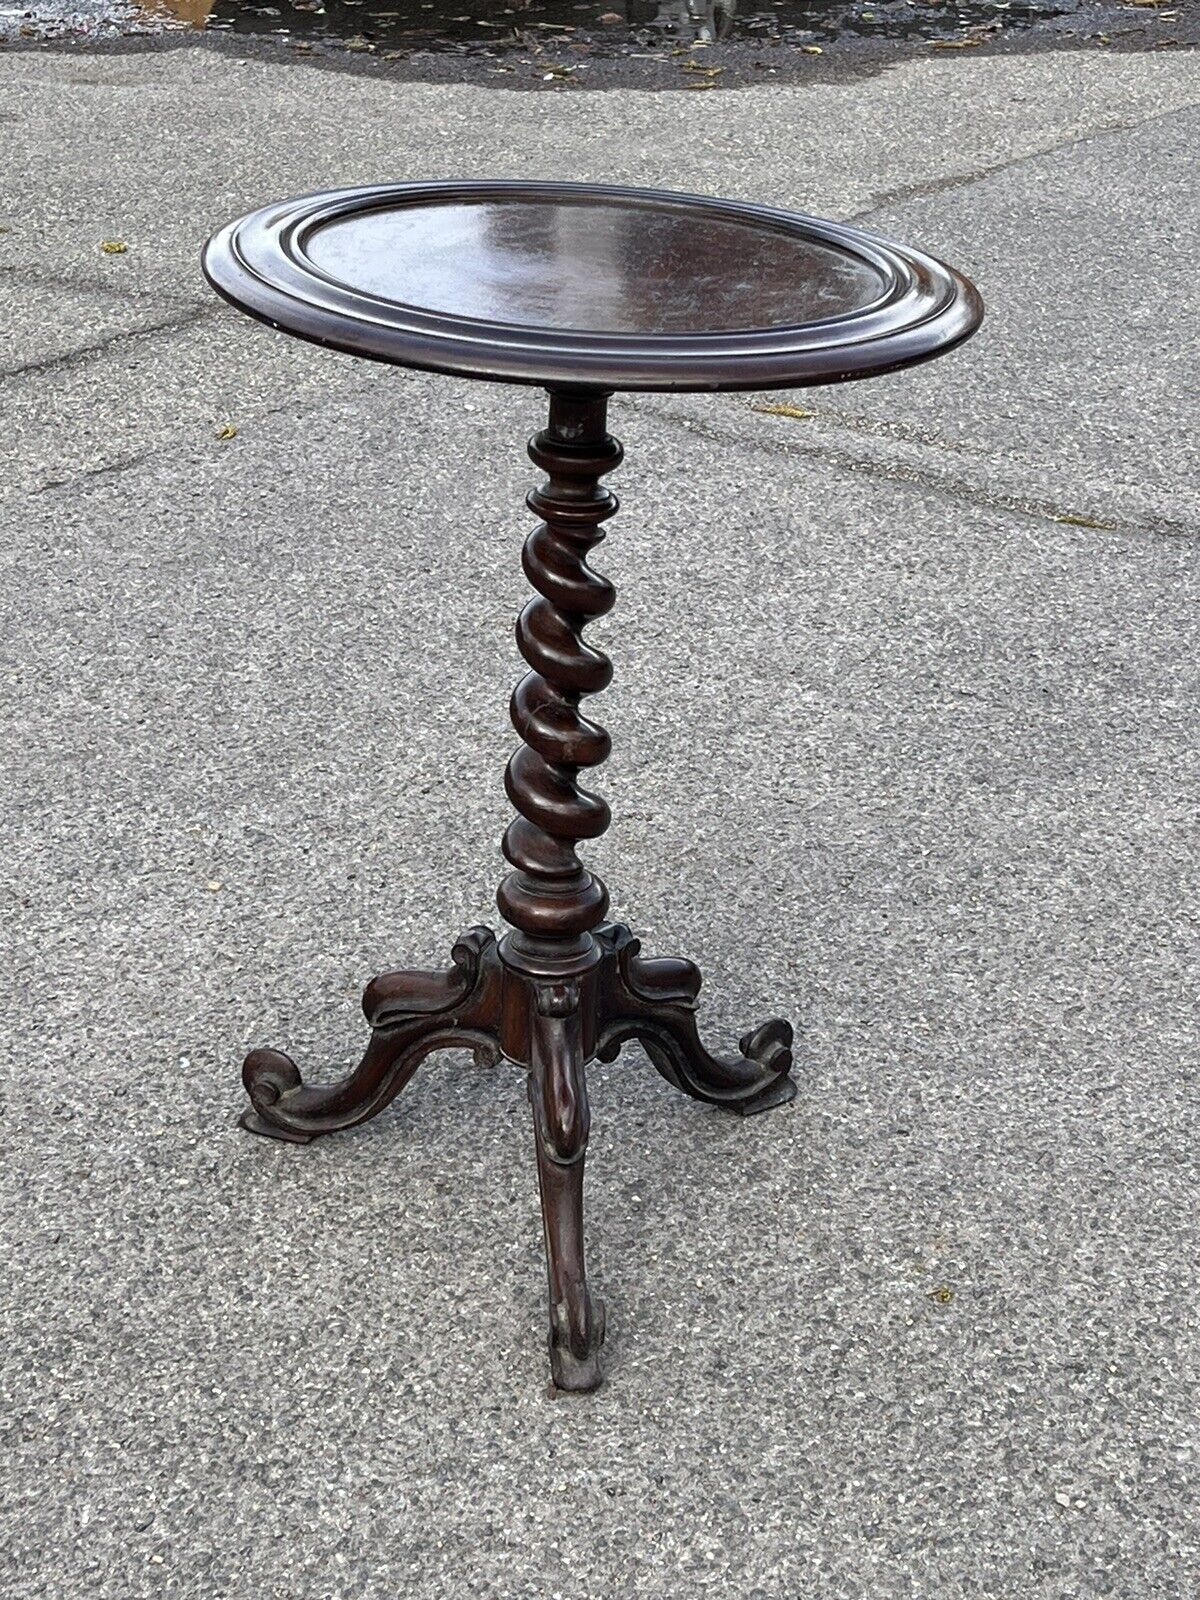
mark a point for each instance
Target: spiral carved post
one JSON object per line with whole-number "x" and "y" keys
{"x": 550, "y": 898}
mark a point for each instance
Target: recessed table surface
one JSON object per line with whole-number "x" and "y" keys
{"x": 583, "y": 290}
{"x": 578, "y": 284}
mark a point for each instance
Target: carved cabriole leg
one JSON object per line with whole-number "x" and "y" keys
{"x": 411, "y": 1013}
{"x": 558, "y": 1094}
{"x": 654, "y": 1001}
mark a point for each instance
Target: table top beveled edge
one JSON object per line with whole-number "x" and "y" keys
{"x": 927, "y": 307}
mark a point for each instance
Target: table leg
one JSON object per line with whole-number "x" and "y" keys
{"x": 654, "y": 1001}
{"x": 577, "y": 987}
{"x": 558, "y": 1094}
{"x": 411, "y": 1014}
{"x": 562, "y": 987}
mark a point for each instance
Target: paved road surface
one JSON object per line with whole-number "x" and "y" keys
{"x": 905, "y": 698}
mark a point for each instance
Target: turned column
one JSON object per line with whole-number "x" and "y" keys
{"x": 550, "y": 898}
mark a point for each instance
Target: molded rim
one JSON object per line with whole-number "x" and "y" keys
{"x": 259, "y": 263}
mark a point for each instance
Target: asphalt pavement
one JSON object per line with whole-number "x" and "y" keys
{"x": 905, "y": 747}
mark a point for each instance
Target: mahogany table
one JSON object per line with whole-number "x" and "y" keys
{"x": 581, "y": 290}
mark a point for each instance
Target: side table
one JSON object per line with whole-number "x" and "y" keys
{"x": 582, "y": 290}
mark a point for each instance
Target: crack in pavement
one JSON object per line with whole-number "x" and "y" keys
{"x": 917, "y": 191}
{"x": 84, "y": 353}
{"x": 843, "y": 460}
{"x": 889, "y": 428}
{"x": 934, "y": 482}
{"x": 20, "y": 274}
{"x": 115, "y": 468}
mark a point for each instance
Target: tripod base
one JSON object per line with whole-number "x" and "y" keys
{"x": 492, "y": 1001}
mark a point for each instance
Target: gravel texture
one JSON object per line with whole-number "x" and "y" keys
{"x": 900, "y": 750}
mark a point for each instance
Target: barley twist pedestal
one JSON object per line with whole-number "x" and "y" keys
{"x": 582, "y": 290}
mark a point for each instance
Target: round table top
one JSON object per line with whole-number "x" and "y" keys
{"x": 585, "y": 286}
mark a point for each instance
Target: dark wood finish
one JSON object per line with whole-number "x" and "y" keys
{"x": 562, "y": 988}
{"x": 588, "y": 286}
{"x": 411, "y": 1013}
{"x": 583, "y": 289}
{"x": 550, "y": 898}
{"x": 558, "y": 1095}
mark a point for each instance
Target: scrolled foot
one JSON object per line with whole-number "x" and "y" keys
{"x": 769, "y": 1046}
{"x": 268, "y": 1075}
{"x": 654, "y": 1001}
{"x": 412, "y": 1014}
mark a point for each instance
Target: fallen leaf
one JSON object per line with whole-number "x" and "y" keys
{"x": 227, "y": 431}
{"x": 942, "y": 1295}
{"x": 812, "y": 50}
{"x": 214, "y": 884}
{"x": 609, "y": 16}
{"x": 798, "y": 412}
{"x": 113, "y": 247}
{"x": 1074, "y": 520}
